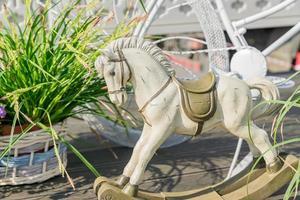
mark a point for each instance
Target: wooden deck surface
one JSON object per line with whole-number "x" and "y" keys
{"x": 194, "y": 164}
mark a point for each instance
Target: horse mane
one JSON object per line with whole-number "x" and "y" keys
{"x": 145, "y": 45}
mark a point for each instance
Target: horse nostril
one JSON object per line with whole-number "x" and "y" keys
{"x": 112, "y": 73}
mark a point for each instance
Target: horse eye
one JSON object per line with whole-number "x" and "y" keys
{"x": 112, "y": 73}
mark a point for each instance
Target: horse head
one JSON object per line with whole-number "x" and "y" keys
{"x": 112, "y": 66}
{"x": 136, "y": 55}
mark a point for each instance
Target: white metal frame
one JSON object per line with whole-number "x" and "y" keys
{"x": 238, "y": 40}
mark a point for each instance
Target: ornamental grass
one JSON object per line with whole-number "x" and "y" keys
{"x": 47, "y": 70}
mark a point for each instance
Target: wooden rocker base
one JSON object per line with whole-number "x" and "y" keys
{"x": 257, "y": 185}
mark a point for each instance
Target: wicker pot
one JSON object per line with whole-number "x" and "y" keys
{"x": 32, "y": 159}
{"x": 6, "y": 129}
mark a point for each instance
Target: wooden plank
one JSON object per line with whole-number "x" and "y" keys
{"x": 213, "y": 195}
{"x": 194, "y": 164}
{"x": 266, "y": 184}
{"x": 231, "y": 186}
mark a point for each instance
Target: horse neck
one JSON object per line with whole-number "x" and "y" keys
{"x": 147, "y": 78}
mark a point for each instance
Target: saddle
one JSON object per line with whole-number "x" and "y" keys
{"x": 198, "y": 98}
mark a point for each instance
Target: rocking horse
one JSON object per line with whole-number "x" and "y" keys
{"x": 188, "y": 107}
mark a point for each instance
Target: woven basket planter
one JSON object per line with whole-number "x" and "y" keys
{"x": 32, "y": 159}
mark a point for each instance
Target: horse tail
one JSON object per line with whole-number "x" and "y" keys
{"x": 268, "y": 91}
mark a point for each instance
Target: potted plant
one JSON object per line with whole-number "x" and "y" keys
{"x": 46, "y": 72}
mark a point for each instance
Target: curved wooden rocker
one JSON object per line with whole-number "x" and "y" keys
{"x": 256, "y": 184}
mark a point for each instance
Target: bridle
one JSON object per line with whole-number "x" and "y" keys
{"x": 121, "y": 59}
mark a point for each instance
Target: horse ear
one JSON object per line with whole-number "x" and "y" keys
{"x": 109, "y": 54}
{"x": 99, "y": 66}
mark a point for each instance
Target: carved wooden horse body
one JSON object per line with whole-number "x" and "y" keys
{"x": 159, "y": 95}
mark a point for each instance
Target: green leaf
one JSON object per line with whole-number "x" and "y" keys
{"x": 81, "y": 157}
{"x": 48, "y": 72}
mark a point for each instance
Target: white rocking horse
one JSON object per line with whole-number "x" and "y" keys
{"x": 169, "y": 105}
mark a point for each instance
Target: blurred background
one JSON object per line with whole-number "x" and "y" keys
{"x": 176, "y": 18}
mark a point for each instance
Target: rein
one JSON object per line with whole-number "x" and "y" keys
{"x": 155, "y": 95}
{"x": 121, "y": 60}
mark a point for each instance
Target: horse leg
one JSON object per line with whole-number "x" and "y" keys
{"x": 158, "y": 135}
{"x": 128, "y": 170}
{"x": 235, "y": 121}
{"x": 255, "y": 151}
{"x": 261, "y": 141}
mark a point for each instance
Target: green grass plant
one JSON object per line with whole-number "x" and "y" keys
{"x": 285, "y": 106}
{"x": 47, "y": 71}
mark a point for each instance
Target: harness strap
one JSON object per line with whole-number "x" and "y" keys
{"x": 122, "y": 69}
{"x": 123, "y": 59}
{"x": 199, "y": 128}
{"x": 141, "y": 110}
{"x": 122, "y": 89}
{"x": 155, "y": 95}
{"x": 123, "y": 83}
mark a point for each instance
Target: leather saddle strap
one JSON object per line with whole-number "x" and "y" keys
{"x": 199, "y": 128}
{"x": 155, "y": 95}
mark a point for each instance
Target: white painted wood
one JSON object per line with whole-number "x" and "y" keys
{"x": 164, "y": 115}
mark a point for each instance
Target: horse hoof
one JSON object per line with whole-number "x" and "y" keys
{"x": 98, "y": 182}
{"x": 275, "y": 166}
{"x": 130, "y": 190}
{"x": 110, "y": 192}
{"x": 122, "y": 181}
